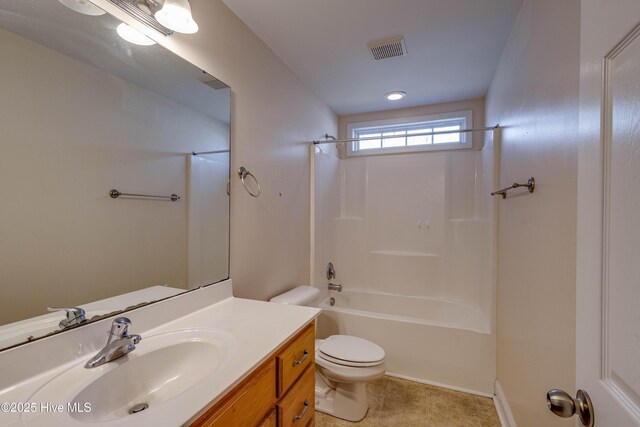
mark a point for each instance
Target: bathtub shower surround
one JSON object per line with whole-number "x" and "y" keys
{"x": 411, "y": 237}
{"x": 443, "y": 347}
{"x": 417, "y": 310}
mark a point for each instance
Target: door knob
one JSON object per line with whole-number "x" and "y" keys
{"x": 563, "y": 405}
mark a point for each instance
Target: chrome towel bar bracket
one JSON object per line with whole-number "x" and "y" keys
{"x": 531, "y": 185}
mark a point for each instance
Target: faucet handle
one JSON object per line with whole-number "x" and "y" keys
{"x": 71, "y": 312}
{"x": 331, "y": 271}
{"x": 75, "y": 315}
{"x": 120, "y": 327}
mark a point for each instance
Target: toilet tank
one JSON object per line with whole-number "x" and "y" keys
{"x": 302, "y": 295}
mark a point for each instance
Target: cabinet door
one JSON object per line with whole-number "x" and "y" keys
{"x": 297, "y": 408}
{"x": 246, "y": 405}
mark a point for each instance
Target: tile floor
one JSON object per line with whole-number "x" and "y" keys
{"x": 396, "y": 402}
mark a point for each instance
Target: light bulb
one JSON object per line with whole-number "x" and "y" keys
{"x": 395, "y": 95}
{"x": 83, "y": 6}
{"x": 134, "y": 36}
{"x": 176, "y": 15}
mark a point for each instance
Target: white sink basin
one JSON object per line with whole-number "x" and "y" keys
{"x": 160, "y": 369}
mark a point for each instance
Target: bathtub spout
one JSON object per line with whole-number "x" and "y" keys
{"x": 333, "y": 287}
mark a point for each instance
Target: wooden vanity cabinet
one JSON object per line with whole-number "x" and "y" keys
{"x": 279, "y": 393}
{"x": 270, "y": 421}
{"x": 294, "y": 357}
{"x": 296, "y": 408}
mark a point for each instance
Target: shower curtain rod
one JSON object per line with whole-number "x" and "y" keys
{"x": 332, "y": 140}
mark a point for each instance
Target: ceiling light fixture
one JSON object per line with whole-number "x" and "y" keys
{"x": 83, "y": 6}
{"x": 134, "y": 36}
{"x": 396, "y": 95}
{"x": 176, "y": 15}
{"x": 142, "y": 11}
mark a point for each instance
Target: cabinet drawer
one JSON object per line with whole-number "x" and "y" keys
{"x": 297, "y": 408}
{"x": 247, "y": 404}
{"x": 296, "y": 356}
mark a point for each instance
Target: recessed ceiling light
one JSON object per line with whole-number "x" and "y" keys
{"x": 395, "y": 95}
{"x": 83, "y": 6}
{"x": 134, "y": 36}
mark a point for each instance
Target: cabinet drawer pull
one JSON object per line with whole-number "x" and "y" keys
{"x": 298, "y": 362}
{"x": 304, "y": 411}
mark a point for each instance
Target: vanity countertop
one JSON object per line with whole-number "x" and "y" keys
{"x": 256, "y": 330}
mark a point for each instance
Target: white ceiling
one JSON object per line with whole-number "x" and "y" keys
{"x": 453, "y": 46}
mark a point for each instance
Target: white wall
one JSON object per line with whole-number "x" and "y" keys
{"x": 67, "y": 139}
{"x": 274, "y": 116}
{"x": 534, "y": 96}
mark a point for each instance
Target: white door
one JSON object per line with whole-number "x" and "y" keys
{"x": 608, "y": 266}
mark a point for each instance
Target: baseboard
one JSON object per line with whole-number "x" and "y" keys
{"x": 502, "y": 406}
{"x": 435, "y": 384}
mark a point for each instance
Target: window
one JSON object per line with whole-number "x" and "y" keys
{"x": 408, "y": 135}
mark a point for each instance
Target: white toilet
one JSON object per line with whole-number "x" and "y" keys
{"x": 344, "y": 364}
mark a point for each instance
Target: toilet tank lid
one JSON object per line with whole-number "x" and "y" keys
{"x": 301, "y": 295}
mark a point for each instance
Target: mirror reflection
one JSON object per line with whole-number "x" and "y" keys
{"x": 84, "y": 112}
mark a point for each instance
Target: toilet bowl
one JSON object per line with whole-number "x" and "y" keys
{"x": 344, "y": 365}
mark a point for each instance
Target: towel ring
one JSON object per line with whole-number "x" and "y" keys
{"x": 243, "y": 173}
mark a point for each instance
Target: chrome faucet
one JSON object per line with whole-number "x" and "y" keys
{"x": 75, "y": 316}
{"x": 331, "y": 271}
{"x": 118, "y": 344}
{"x": 333, "y": 287}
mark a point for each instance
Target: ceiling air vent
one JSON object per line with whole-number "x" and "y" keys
{"x": 387, "y": 48}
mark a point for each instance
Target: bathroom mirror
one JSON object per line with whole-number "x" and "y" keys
{"x": 84, "y": 112}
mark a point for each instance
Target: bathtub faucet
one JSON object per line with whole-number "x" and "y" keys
{"x": 333, "y": 287}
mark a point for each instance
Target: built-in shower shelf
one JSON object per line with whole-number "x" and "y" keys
{"x": 407, "y": 254}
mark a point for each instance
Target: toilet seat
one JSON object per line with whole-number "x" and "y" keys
{"x": 350, "y": 351}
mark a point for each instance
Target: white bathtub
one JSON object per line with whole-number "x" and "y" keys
{"x": 435, "y": 341}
